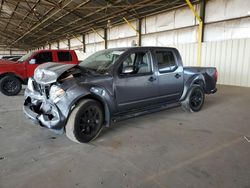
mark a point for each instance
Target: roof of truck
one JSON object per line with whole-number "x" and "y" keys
{"x": 141, "y": 47}
{"x": 51, "y": 50}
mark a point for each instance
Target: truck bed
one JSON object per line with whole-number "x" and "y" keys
{"x": 210, "y": 75}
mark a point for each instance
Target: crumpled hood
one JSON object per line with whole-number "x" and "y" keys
{"x": 48, "y": 73}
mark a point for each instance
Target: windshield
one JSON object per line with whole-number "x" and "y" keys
{"x": 25, "y": 57}
{"x": 101, "y": 62}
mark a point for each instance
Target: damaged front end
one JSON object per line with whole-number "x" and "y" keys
{"x": 41, "y": 109}
{"x": 46, "y": 101}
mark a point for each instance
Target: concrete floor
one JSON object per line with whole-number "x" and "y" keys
{"x": 166, "y": 149}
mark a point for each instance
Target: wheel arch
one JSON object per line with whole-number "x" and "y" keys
{"x": 200, "y": 82}
{"x": 105, "y": 106}
{"x": 197, "y": 79}
{"x": 12, "y": 74}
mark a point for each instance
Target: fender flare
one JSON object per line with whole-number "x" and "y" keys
{"x": 195, "y": 79}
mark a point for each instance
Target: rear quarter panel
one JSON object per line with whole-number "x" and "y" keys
{"x": 194, "y": 75}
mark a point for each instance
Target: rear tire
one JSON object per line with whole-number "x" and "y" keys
{"x": 85, "y": 122}
{"x": 10, "y": 85}
{"x": 194, "y": 99}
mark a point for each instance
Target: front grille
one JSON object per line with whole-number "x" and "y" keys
{"x": 37, "y": 87}
{"x": 43, "y": 90}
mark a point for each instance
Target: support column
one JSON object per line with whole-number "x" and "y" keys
{"x": 139, "y": 31}
{"x": 83, "y": 44}
{"x": 105, "y": 38}
{"x": 58, "y": 45}
{"x": 69, "y": 43}
{"x": 202, "y": 16}
{"x": 199, "y": 31}
{"x": 138, "y": 34}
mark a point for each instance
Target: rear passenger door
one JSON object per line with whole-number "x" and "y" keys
{"x": 64, "y": 57}
{"x": 170, "y": 75}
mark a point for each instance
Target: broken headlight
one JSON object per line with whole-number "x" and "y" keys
{"x": 56, "y": 93}
{"x": 44, "y": 77}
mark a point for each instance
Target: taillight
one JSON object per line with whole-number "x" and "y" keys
{"x": 216, "y": 75}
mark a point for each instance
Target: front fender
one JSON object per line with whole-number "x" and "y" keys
{"x": 104, "y": 97}
{"x": 197, "y": 78}
{"x": 78, "y": 92}
{"x": 66, "y": 104}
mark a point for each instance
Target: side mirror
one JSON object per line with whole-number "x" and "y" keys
{"x": 32, "y": 61}
{"x": 127, "y": 70}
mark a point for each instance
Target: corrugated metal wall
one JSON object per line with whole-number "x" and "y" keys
{"x": 11, "y": 52}
{"x": 226, "y": 38}
{"x": 231, "y": 57}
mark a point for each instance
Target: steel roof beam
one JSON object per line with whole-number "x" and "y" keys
{"x": 6, "y": 26}
{"x": 93, "y": 21}
{"x": 84, "y": 30}
{"x": 34, "y": 6}
{"x": 37, "y": 25}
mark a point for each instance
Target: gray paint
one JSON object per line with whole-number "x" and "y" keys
{"x": 120, "y": 95}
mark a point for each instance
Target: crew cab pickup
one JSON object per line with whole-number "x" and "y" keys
{"x": 111, "y": 85}
{"x": 15, "y": 73}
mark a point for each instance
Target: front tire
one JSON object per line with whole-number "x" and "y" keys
{"x": 85, "y": 122}
{"x": 194, "y": 99}
{"x": 10, "y": 85}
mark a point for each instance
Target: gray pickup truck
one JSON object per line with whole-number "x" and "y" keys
{"x": 111, "y": 85}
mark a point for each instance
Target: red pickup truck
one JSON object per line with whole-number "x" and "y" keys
{"x": 14, "y": 74}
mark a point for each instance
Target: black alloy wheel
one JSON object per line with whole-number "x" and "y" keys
{"x": 194, "y": 99}
{"x": 85, "y": 121}
{"x": 88, "y": 122}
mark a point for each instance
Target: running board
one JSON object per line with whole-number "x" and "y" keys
{"x": 140, "y": 112}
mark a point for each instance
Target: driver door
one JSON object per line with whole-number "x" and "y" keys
{"x": 136, "y": 85}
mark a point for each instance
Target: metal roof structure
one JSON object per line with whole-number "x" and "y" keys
{"x": 27, "y": 24}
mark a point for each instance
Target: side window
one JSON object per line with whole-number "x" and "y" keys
{"x": 64, "y": 56}
{"x": 166, "y": 61}
{"x": 43, "y": 57}
{"x": 137, "y": 63}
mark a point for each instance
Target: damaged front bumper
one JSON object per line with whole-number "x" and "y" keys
{"x": 43, "y": 112}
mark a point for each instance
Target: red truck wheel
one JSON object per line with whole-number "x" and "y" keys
{"x": 10, "y": 85}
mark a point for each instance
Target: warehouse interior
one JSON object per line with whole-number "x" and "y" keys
{"x": 171, "y": 148}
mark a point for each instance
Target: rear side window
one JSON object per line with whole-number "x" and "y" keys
{"x": 43, "y": 57}
{"x": 64, "y": 56}
{"x": 166, "y": 61}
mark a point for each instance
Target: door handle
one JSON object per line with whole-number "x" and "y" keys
{"x": 177, "y": 76}
{"x": 151, "y": 79}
